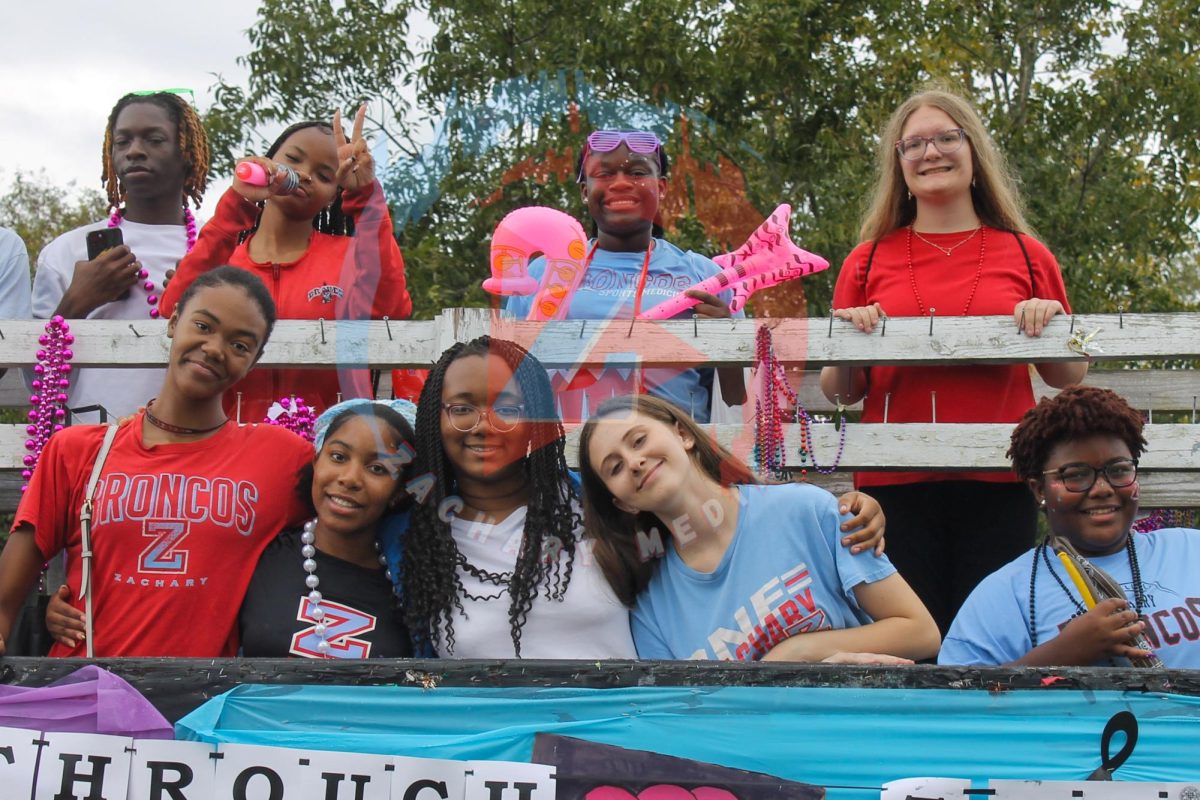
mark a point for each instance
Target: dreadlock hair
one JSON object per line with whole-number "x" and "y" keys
{"x": 432, "y": 586}
{"x": 1077, "y": 412}
{"x": 190, "y": 137}
{"x": 664, "y": 166}
{"x": 621, "y": 538}
{"x": 331, "y": 220}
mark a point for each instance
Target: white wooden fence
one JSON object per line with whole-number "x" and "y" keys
{"x": 1171, "y": 465}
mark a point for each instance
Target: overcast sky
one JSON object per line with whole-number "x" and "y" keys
{"x": 63, "y": 63}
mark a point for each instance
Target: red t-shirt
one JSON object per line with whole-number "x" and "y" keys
{"x": 177, "y": 530}
{"x": 986, "y": 393}
{"x": 337, "y": 278}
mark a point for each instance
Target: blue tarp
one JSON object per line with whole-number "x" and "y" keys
{"x": 853, "y": 738}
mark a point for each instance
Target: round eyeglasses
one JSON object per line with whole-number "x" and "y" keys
{"x": 913, "y": 148}
{"x": 1082, "y": 477}
{"x": 465, "y": 417}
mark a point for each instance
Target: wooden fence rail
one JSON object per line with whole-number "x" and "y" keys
{"x": 1171, "y": 465}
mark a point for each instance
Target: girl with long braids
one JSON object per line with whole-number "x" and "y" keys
{"x": 154, "y": 166}
{"x": 494, "y": 562}
{"x": 1078, "y": 453}
{"x": 320, "y": 238}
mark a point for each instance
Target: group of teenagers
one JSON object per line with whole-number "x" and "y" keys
{"x": 453, "y": 527}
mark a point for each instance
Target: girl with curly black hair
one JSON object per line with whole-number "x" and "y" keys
{"x": 1078, "y": 452}
{"x": 496, "y": 535}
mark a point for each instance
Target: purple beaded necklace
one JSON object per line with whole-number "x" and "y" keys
{"x": 770, "y": 410}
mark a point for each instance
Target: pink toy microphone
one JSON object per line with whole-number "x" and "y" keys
{"x": 253, "y": 173}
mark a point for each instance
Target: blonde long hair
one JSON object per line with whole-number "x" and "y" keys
{"x": 994, "y": 188}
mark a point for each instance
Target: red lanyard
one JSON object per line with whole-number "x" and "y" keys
{"x": 641, "y": 287}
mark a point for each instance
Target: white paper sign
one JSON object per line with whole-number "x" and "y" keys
{"x": 18, "y": 760}
{"x": 255, "y": 772}
{"x": 427, "y": 779}
{"x": 933, "y": 788}
{"x": 169, "y": 770}
{"x": 82, "y": 766}
{"x": 343, "y": 776}
{"x": 1093, "y": 790}
{"x": 503, "y": 780}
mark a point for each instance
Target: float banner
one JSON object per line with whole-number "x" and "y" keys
{"x": 85, "y": 766}
{"x": 841, "y": 739}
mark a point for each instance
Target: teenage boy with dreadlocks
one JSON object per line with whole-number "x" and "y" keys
{"x": 155, "y": 162}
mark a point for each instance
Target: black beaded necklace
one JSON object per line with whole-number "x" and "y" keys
{"x": 1139, "y": 597}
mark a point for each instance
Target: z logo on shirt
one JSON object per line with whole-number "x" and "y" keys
{"x": 342, "y": 623}
{"x": 162, "y": 555}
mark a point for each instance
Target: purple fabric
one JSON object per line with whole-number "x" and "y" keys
{"x": 89, "y": 700}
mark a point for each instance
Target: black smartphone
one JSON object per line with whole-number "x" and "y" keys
{"x": 101, "y": 240}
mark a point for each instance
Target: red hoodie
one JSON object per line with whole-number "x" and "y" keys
{"x": 337, "y": 278}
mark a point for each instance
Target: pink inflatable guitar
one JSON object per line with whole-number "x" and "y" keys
{"x": 559, "y": 238}
{"x": 768, "y": 257}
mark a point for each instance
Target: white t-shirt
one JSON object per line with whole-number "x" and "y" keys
{"x": 589, "y": 622}
{"x": 159, "y": 248}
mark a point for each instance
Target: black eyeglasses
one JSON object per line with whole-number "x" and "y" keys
{"x": 913, "y": 148}
{"x": 465, "y": 417}
{"x": 1082, "y": 477}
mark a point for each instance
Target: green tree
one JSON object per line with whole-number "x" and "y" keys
{"x": 39, "y": 210}
{"x": 1095, "y": 102}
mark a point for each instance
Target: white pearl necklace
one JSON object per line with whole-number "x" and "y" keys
{"x": 309, "y": 551}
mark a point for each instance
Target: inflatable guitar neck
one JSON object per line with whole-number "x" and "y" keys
{"x": 767, "y": 258}
{"x": 559, "y": 238}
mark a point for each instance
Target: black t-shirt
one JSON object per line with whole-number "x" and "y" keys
{"x": 362, "y": 617}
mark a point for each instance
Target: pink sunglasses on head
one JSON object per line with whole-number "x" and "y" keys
{"x": 637, "y": 141}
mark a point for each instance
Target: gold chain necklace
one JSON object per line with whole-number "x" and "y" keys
{"x": 946, "y": 250}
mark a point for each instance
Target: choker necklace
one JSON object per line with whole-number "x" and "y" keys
{"x": 169, "y": 428}
{"x": 947, "y": 250}
{"x": 912, "y": 277}
{"x": 308, "y": 549}
{"x": 189, "y": 223}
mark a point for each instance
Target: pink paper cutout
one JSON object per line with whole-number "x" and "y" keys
{"x": 767, "y": 258}
{"x": 559, "y": 238}
{"x": 661, "y": 791}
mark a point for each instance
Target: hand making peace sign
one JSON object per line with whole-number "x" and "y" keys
{"x": 356, "y": 167}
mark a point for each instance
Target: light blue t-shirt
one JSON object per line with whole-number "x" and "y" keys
{"x": 992, "y": 627}
{"x": 607, "y": 293}
{"x": 785, "y": 573}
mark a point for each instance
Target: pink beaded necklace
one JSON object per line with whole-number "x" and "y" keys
{"x": 51, "y": 380}
{"x": 152, "y": 299}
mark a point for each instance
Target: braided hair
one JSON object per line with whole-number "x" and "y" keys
{"x": 191, "y": 139}
{"x": 432, "y": 586}
{"x": 330, "y": 220}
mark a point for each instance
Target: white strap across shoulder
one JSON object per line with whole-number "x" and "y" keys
{"x": 85, "y": 529}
